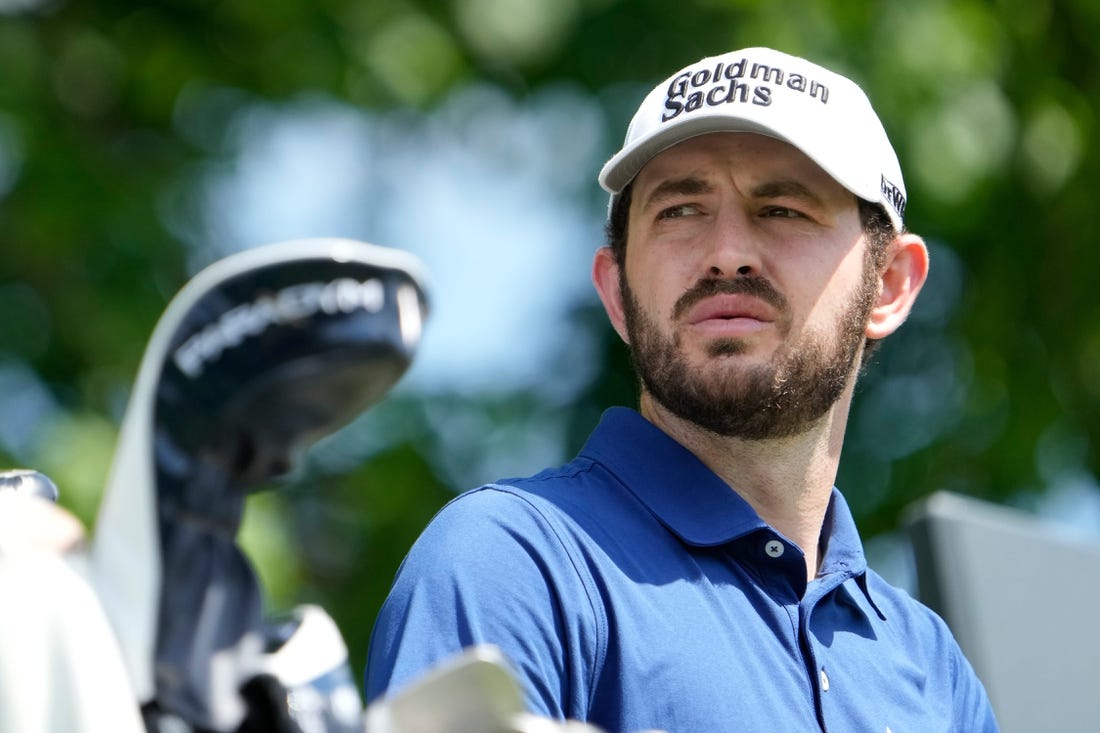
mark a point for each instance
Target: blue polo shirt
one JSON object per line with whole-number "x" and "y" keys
{"x": 633, "y": 589}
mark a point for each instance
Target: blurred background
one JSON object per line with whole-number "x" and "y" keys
{"x": 140, "y": 142}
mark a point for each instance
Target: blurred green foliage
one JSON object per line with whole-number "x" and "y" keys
{"x": 993, "y": 389}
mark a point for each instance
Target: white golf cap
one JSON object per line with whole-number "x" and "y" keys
{"x": 823, "y": 114}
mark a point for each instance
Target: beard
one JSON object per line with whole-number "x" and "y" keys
{"x": 781, "y": 398}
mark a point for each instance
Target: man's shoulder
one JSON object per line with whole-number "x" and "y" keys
{"x": 903, "y": 611}
{"x": 562, "y": 512}
{"x": 516, "y": 505}
{"x": 582, "y": 482}
{"x": 581, "y": 469}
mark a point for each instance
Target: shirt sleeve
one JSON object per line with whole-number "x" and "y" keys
{"x": 974, "y": 710}
{"x": 491, "y": 568}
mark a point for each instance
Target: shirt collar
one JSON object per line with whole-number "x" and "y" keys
{"x": 701, "y": 510}
{"x": 844, "y": 549}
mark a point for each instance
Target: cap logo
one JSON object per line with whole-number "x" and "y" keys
{"x": 730, "y": 83}
{"x": 892, "y": 195}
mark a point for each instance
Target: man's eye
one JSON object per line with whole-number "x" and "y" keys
{"x": 677, "y": 212}
{"x": 782, "y": 212}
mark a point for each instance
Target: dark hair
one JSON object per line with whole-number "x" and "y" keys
{"x": 879, "y": 230}
{"x": 616, "y": 224}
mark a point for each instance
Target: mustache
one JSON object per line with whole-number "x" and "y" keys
{"x": 756, "y": 287}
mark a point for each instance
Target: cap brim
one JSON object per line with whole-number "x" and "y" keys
{"x": 621, "y": 169}
{"x": 618, "y": 172}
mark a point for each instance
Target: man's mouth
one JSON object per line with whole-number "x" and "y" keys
{"x": 729, "y": 308}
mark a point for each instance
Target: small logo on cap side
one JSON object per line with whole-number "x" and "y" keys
{"x": 892, "y": 195}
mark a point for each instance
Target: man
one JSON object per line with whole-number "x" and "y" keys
{"x": 694, "y": 569}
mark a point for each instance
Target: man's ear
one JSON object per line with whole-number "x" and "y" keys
{"x": 901, "y": 281}
{"x": 605, "y": 276}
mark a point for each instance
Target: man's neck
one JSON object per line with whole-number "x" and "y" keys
{"x": 788, "y": 481}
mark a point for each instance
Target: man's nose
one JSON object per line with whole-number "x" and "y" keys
{"x": 734, "y": 250}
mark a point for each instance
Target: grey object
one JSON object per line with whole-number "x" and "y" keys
{"x": 1021, "y": 595}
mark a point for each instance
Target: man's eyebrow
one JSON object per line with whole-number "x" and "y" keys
{"x": 671, "y": 187}
{"x": 785, "y": 188}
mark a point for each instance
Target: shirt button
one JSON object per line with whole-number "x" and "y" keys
{"x": 774, "y": 548}
{"x": 824, "y": 681}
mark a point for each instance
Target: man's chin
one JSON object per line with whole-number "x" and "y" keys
{"x": 759, "y": 347}
{"x": 730, "y": 359}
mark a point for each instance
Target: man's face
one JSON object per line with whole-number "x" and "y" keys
{"x": 746, "y": 289}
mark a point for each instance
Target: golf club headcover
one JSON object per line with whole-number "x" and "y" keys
{"x": 303, "y": 682}
{"x": 258, "y": 356}
{"x": 28, "y": 482}
{"x": 475, "y": 691}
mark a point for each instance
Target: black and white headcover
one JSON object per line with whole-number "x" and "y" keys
{"x": 259, "y": 355}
